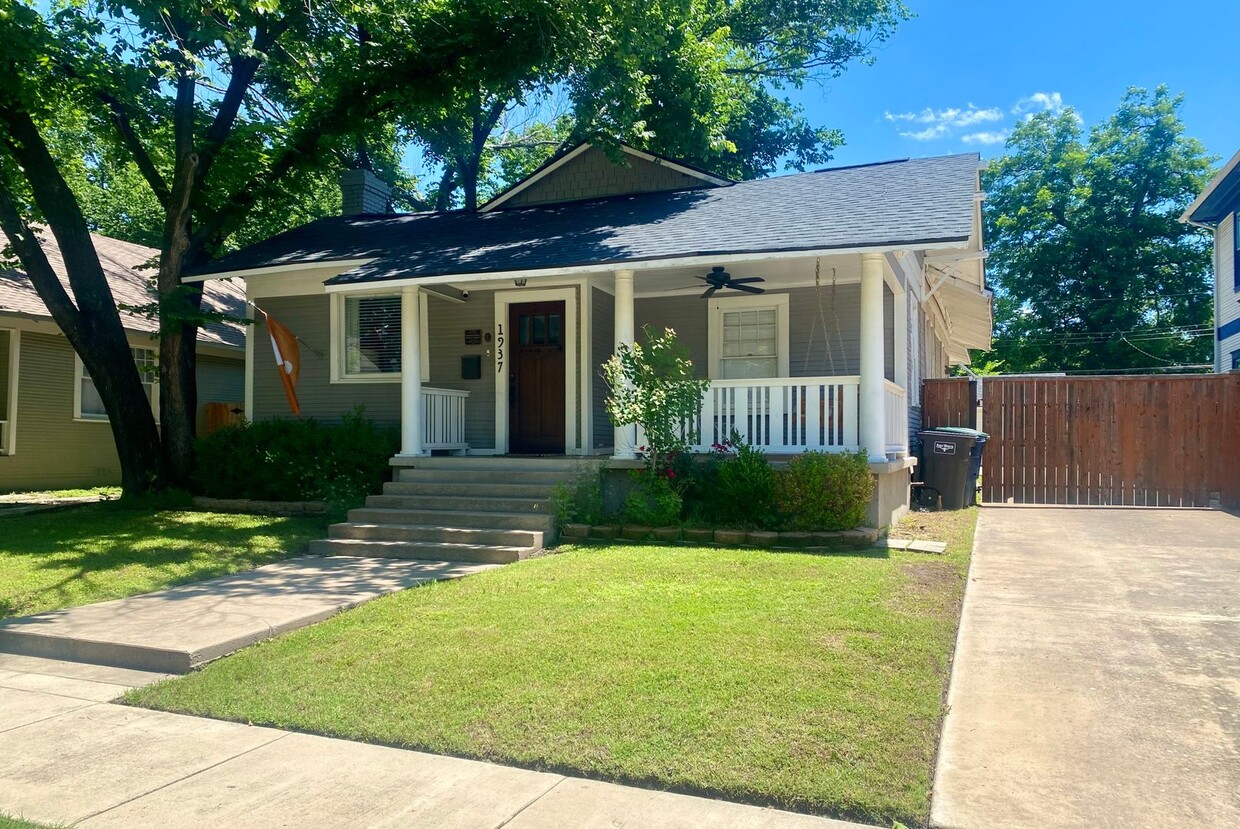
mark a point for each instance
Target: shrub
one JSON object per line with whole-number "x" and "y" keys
{"x": 739, "y": 490}
{"x": 296, "y": 460}
{"x": 654, "y": 502}
{"x": 654, "y": 387}
{"x": 825, "y": 491}
{"x": 580, "y": 502}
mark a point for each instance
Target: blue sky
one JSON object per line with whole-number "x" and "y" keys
{"x": 959, "y": 74}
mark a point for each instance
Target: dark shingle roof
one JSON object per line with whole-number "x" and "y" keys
{"x": 906, "y": 202}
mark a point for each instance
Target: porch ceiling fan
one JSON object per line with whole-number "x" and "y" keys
{"x": 719, "y": 279}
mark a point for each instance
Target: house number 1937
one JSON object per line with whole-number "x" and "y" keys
{"x": 499, "y": 348}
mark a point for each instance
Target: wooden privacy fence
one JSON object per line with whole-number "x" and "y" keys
{"x": 1146, "y": 441}
{"x": 949, "y": 402}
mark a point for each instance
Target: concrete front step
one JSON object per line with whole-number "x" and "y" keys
{"x": 453, "y": 535}
{"x": 470, "y": 489}
{"x": 483, "y": 478}
{"x": 481, "y": 520}
{"x": 494, "y": 462}
{"x": 426, "y": 550}
{"x": 464, "y": 503}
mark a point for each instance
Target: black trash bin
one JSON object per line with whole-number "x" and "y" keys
{"x": 945, "y": 461}
{"x": 975, "y": 458}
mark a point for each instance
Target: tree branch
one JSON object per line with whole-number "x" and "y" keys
{"x": 34, "y": 261}
{"x": 131, "y": 142}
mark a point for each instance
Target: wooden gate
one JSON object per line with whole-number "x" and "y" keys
{"x": 1146, "y": 441}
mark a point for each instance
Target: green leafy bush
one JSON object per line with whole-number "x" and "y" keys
{"x": 580, "y": 502}
{"x": 296, "y": 460}
{"x": 654, "y": 501}
{"x": 825, "y": 491}
{"x": 739, "y": 489}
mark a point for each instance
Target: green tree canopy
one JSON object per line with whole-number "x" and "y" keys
{"x": 1091, "y": 267}
{"x": 224, "y": 112}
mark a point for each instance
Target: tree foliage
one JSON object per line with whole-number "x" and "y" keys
{"x": 702, "y": 81}
{"x": 1091, "y": 267}
{"x": 207, "y": 115}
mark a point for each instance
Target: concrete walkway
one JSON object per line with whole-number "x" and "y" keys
{"x": 178, "y": 629}
{"x": 1097, "y": 676}
{"x": 67, "y": 757}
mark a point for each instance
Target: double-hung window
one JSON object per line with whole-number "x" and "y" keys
{"x": 366, "y": 338}
{"x": 749, "y": 337}
{"x": 88, "y": 403}
{"x": 371, "y": 336}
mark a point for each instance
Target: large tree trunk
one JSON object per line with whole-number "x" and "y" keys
{"x": 89, "y": 320}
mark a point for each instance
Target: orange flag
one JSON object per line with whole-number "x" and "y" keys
{"x": 288, "y": 359}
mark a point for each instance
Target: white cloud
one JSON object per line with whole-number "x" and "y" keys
{"x": 947, "y": 119}
{"x": 928, "y": 134}
{"x": 1039, "y": 102}
{"x": 985, "y": 137}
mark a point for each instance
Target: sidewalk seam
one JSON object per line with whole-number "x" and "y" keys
{"x": 94, "y": 815}
{"x": 87, "y": 704}
{"x": 539, "y": 797}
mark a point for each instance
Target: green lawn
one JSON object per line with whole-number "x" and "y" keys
{"x": 16, "y": 823}
{"x": 811, "y": 682}
{"x": 100, "y": 491}
{"x": 106, "y": 551}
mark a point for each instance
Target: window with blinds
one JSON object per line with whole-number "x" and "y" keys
{"x": 372, "y": 335}
{"x": 750, "y": 344}
{"x": 91, "y": 404}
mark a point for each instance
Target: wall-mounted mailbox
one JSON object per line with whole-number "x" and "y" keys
{"x": 471, "y": 367}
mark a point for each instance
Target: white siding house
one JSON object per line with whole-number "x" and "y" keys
{"x": 1217, "y": 208}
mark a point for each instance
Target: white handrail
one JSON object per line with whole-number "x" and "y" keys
{"x": 443, "y": 418}
{"x": 784, "y": 415}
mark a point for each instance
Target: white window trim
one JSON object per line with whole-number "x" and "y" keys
{"x": 79, "y": 371}
{"x": 733, "y": 303}
{"x": 338, "y": 352}
{"x": 14, "y": 379}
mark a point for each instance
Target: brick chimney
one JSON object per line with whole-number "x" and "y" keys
{"x": 363, "y": 192}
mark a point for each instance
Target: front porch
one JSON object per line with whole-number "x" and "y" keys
{"x": 802, "y": 399}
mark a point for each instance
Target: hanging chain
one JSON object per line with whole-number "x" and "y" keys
{"x": 822, "y": 317}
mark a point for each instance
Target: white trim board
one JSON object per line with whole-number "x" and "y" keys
{"x": 15, "y": 348}
{"x": 339, "y": 265}
{"x": 573, "y": 399}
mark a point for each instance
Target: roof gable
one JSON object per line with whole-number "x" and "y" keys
{"x": 588, "y": 172}
{"x": 1220, "y": 198}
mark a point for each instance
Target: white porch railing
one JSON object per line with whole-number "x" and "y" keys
{"x": 783, "y": 415}
{"x": 895, "y": 407}
{"x": 443, "y": 418}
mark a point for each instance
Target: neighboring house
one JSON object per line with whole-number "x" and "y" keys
{"x": 53, "y": 429}
{"x": 482, "y": 332}
{"x": 1218, "y": 209}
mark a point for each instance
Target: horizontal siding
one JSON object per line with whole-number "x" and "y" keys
{"x": 54, "y": 451}
{"x": 837, "y": 350}
{"x": 602, "y": 343}
{"x": 309, "y": 317}
{"x": 448, "y": 322}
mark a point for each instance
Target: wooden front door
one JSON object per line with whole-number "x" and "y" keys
{"x": 536, "y": 378}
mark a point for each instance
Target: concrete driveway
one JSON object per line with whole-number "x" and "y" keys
{"x": 1097, "y": 675}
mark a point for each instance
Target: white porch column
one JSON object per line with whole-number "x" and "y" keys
{"x": 873, "y": 422}
{"x": 410, "y": 373}
{"x": 624, "y": 447}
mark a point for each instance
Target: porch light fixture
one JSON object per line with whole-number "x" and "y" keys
{"x": 520, "y": 283}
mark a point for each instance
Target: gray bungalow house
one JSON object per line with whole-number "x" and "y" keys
{"x": 815, "y": 303}
{"x": 53, "y": 430}
{"x": 1218, "y": 209}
